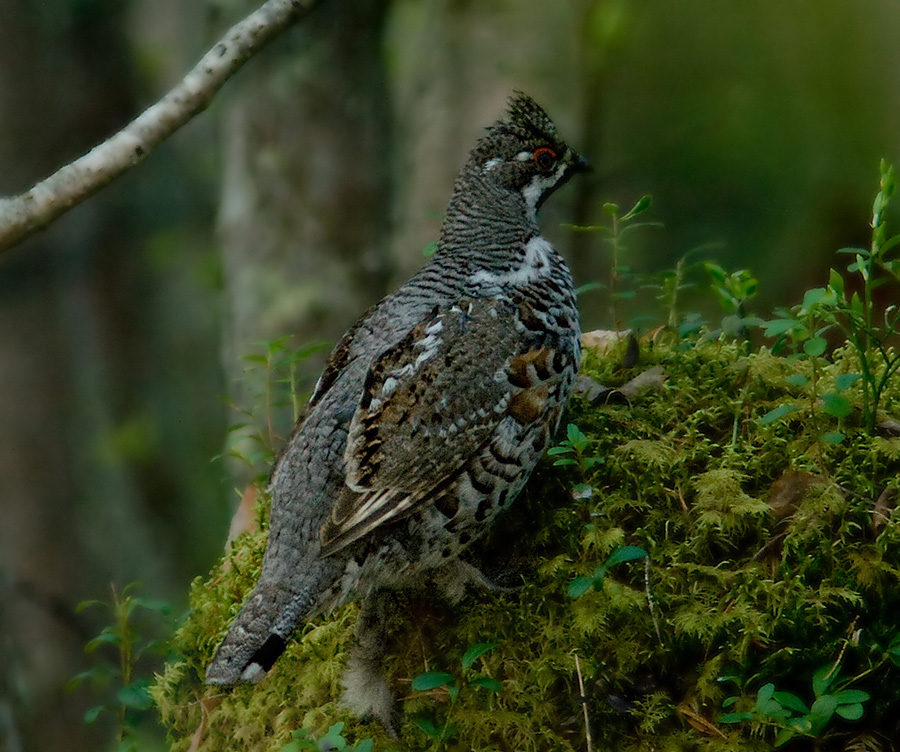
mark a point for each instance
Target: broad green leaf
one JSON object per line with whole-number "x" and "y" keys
{"x": 691, "y": 325}
{"x": 821, "y": 712}
{"x": 579, "y": 586}
{"x": 576, "y": 438}
{"x": 836, "y": 283}
{"x": 815, "y": 346}
{"x": 100, "y": 671}
{"x": 836, "y": 404}
{"x": 135, "y": 695}
{"x": 640, "y": 207}
{"x": 366, "y": 745}
{"x": 797, "y": 379}
{"x": 431, "y": 680}
{"x": 815, "y": 296}
{"x": 488, "y": 683}
{"x": 104, "y": 638}
{"x": 893, "y": 651}
{"x": 800, "y": 725}
{"x": 91, "y": 715}
{"x": 823, "y": 678}
{"x": 625, "y": 553}
{"x": 152, "y": 604}
{"x": 851, "y": 696}
{"x": 589, "y": 287}
{"x": 431, "y": 729}
{"x": 765, "y": 694}
{"x": 254, "y": 358}
{"x": 715, "y": 271}
{"x": 832, "y": 437}
{"x": 736, "y": 717}
{"x": 851, "y": 712}
{"x": 777, "y": 327}
{"x": 784, "y": 736}
{"x": 475, "y": 652}
{"x": 778, "y": 412}
{"x": 790, "y": 700}
{"x": 334, "y": 736}
{"x": 844, "y": 380}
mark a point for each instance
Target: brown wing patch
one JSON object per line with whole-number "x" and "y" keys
{"x": 529, "y": 405}
{"x": 530, "y": 368}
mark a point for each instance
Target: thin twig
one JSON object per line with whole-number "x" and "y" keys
{"x": 25, "y": 214}
{"x": 650, "y": 599}
{"x": 584, "y": 707}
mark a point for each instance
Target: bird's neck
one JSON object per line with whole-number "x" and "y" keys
{"x": 483, "y": 221}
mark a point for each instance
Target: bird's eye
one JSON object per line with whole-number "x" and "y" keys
{"x": 544, "y": 157}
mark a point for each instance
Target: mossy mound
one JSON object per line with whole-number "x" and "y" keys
{"x": 772, "y": 552}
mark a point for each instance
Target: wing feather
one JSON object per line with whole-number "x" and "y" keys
{"x": 429, "y": 404}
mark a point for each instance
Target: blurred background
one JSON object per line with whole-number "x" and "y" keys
{"x": 312, "y": 187}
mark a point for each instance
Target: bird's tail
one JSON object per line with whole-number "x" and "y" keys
{"x": 259, "y": 633}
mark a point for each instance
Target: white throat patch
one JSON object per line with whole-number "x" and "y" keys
{"x": 535, "y": 265}
{"x": 538, "y": 185}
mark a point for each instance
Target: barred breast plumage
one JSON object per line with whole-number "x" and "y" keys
{"x": 429, "y": 417}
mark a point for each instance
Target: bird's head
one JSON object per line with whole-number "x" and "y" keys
{"x": 523, "y": 152}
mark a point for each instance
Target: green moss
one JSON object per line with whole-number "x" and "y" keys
{"x": 739, "y": 585}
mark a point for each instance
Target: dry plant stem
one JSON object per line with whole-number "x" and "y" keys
{"x": 650, "y": 599}
{"x": 25, "y": 214}
{"x": 584, "y": 707}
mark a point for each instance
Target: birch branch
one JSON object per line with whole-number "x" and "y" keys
{"x": 25, "y": 214}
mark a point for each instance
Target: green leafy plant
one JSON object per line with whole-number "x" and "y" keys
{"x": 671, "y": 285}
{"x": 274, "y": 379}
{"x": 733, "y": 290}
{"x": 580, "y": 585}
{"x": 450, "y": 685}
{"x": 121, "y": 670}
{"x": 805, "y": 327}
{"x": 303, "y": 740}
{"x": 791, "y": 715}
{"x": 574, "y": 451}
{"x": 623, "y": 282}
{"x": 868, "y": 331}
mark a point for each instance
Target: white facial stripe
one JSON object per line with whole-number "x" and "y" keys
{"x": 524, "y": 156}
{"x": 538, "y": 185}
{"x": 491, "y": 164}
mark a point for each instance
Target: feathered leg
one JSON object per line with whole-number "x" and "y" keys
{"x": 366, "y": 690}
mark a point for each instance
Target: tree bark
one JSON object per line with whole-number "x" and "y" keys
{"x": 304, "y": 214}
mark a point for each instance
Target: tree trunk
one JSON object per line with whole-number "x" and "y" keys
{"x": 304, "y": 208}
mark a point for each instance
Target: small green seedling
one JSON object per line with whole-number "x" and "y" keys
{"x": 302, "y": 740}
{"x": 443, "y": 682}
{"x": 790, "y": 714}
{"x": 580, "y": 585}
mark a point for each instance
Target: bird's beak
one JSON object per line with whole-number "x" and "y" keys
{"x": 579, "y": 164}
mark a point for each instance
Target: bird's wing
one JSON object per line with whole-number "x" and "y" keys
{"x": 431, "y": 403}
